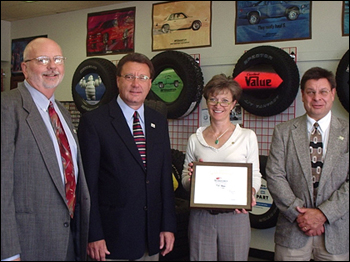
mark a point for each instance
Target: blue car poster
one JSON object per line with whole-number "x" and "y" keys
{"x": 270, "y": 21}
{"x": 345, "y": 18}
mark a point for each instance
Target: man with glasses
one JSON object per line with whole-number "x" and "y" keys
{"x": 127, "y": 158}
{"x": 45, "y": 202}
{"x": 308, "y": 177}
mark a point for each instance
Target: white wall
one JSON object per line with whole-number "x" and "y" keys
{"x": 325, "y": 49}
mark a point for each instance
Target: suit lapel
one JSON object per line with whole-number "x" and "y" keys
{"x": 39, "y": 131}
{"x": 333, "y": 152}
{"x": 120, "y": 125}
{"x": 301, "y": 142}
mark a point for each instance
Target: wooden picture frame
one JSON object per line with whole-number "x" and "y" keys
{"x": 221, "y": 185}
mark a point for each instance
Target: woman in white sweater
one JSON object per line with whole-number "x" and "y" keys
{"x": 216, "y": 235}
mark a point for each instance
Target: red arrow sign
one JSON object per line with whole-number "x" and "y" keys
{"x": 254, "y": 80}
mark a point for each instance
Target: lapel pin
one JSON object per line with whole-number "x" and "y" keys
{"x": 341, "y": 137}
{"x": 153, "y": 125}
{"x": 75, "y": 131}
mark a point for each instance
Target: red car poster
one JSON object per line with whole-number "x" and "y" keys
{"x": 110, "y": 32}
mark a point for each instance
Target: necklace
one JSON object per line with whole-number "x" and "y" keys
{"x": 217, "y": 139}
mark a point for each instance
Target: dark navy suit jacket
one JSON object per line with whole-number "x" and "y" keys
{"x": 130, "y": 205}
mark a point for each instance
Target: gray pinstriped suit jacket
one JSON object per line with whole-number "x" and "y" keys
{"x": 35, "y": 221}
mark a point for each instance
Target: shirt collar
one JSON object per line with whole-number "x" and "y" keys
{"x": 39, "y": 99}
{"x": 323, "y": 122}
{"x": 129, "y": 112}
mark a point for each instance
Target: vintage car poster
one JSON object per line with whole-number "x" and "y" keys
{"x": 345, "y": 16}
{"x": 270, "y": 21}
{"x": 181, "y": 24}
{"x": 110, "y": 32}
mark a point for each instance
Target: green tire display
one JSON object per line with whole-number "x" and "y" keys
{"x": 178, "y": 82}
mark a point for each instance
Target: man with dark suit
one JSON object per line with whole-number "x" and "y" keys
{"x": 312, "y": 194}
{"x": 132, "y": 202}
{"x": 36, "y": 222}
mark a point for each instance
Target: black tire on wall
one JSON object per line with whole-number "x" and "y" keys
{"x": 182, "y": 206}
{"x": 178, "y": 159}
{"x": 342, "y": 79}
{"x": 265, "y": 213}
{"x": 158, "y": 106}
{"x": 269, "y": 102}
{"x": 190, "y": 78}
{"x": 98, "y": 67}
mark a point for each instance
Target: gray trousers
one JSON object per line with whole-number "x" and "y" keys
{"x": 221, "y": 237}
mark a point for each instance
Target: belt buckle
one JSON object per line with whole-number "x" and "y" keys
{"x": 213, "y": 212}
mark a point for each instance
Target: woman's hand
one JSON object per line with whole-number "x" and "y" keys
{"x": 190, "y": 168}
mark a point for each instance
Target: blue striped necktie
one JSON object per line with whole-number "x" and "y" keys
{"x": 139, "y": 138}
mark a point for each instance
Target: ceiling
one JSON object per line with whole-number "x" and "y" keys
{"x": 19, "y": 10}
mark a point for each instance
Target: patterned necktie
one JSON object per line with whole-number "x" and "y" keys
{"x": 139, "y": 138}
{"x": 69, "y": 176}
{"x": 316, "y": 151}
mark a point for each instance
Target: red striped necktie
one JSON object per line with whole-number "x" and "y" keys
{"x": 69, "y": 176}
{"x": 139, "y": 138}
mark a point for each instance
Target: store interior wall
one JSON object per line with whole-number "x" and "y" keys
{"x": 324, "y": 49}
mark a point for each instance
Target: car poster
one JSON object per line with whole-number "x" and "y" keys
{"x": 269, "y": 21}
{"x": 345, "y": 20}
{"x": 110, "y": 32}
{"x": 17, "y": 47}
{"x": 181, "y": 24}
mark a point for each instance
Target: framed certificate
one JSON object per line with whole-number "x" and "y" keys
{"x": 224, "y": 186}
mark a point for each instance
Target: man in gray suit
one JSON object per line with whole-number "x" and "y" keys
{"x": 35, "y": 220}
{"x": 311, "y": 226}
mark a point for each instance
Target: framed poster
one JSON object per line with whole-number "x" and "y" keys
{"x": 271, "y": 21}
{"x": 226, "y": 186}
{"x": 345, "y": 18}
{"x": 17, "y": 48}
{"x": 110, "y": 32}
{"x": 181, "y": 24}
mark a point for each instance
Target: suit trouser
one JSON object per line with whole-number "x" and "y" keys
{"x": 219, "y": 237}
{"x": 314, "y": 249}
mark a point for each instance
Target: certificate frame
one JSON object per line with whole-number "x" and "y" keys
{"x": 221, "y": 185}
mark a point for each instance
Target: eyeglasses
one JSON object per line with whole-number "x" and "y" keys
{"x": 44, "y": 60}
{"x": 130, "y": 77}
{"x": 214, "y": 102}
{"x": 312, "y": 93}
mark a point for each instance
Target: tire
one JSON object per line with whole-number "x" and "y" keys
{"x": 293, "y": 14}
{"x": 272, "y": 101}
{"x": 98, "y": 67}
{"x": 181, "y": 248}
{"x": 166, "y": 29}
{"x": 265, "y": 213}
{"x": 183, "y": 99}
{"x": 342, "y": 79}
{"x": 178, "y": 159}
{"x": 196, "y": 25}
{"x": 158, "y": 106}
{"x": 254, "y": 18}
